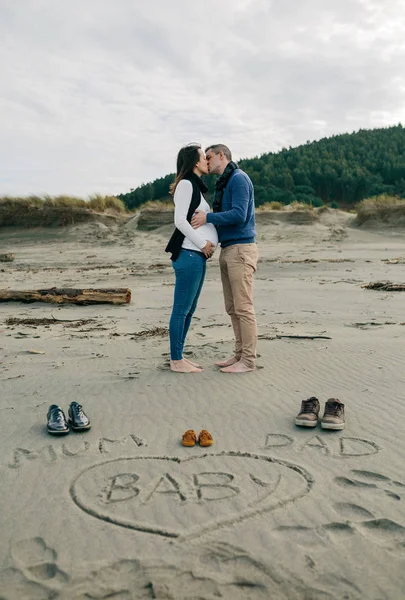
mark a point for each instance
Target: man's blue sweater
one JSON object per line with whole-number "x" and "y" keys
{"x": 236, "y": 221}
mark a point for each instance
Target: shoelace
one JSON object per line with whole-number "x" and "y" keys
{"x": 80, "y": 412}
{"x": 332, "y": 408}
{"x": 309, "y": 406}
{"x": 59, "y": 417}
{"x": 189, "y": 435}
{"x": 205, "y": 433}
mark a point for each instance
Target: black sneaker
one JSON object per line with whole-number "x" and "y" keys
{"x": 308, "y": 415}
{"x": 78, "y": 420}
{"x": 334, "y": 415}
{"x": 57, "y": 424}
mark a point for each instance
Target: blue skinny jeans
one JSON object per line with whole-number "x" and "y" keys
{"x": 189, "y": 271}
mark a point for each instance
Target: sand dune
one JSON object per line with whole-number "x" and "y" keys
{"x": 270, "y": 511}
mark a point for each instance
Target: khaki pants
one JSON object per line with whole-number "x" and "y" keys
{"x": 237, "y": 264}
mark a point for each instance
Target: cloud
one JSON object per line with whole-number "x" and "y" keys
{"x": 99, "y": 97}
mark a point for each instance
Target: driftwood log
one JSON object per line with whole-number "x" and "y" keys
{"x": 304, "y": 337}
{"x": 268, "y": 336}
{"x": 7, "y": 257}
{"x": 385, "y": 286}
{"x": 69, "y": 296}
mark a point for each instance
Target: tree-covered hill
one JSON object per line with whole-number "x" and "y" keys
{"x": 340, "y": 171}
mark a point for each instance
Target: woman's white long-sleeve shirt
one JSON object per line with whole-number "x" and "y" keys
{"x": 195, "y": 239}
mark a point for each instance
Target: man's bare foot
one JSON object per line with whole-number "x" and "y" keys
{"x": 193, "y": 364}
{"x": 238, "y": 367}
{"x": 181, "y": 366}
{"x": 228, "y": 362}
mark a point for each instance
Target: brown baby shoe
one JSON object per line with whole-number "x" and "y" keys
{"x": 205, "y": 438}
{"x": 189, "y": 438}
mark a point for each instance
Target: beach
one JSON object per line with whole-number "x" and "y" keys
{"x": 270, "y": 510}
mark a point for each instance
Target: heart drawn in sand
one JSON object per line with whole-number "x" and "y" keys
{"x": 181, "y": 498}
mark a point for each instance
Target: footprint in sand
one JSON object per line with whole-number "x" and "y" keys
{"x": 353, "y": 512}
{"x": 358, "y": 520}
{"x": 385, "y": 532}
{"x": 37, "y": 561}
{"x": 15, "y": 585}
{"x": 218, "y": 570}
{"x": 371, "y": 480}
{"x": 35, "y": 574}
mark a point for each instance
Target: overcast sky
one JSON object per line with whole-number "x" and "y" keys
{"x": 99, "y": 95}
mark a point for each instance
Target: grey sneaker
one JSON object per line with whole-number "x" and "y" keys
{"x": 334, "y": 415}
{"x": 308, "y": 415}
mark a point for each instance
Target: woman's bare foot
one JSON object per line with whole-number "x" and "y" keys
{"x": 238, "y": 367}
{"x": 193, "y": 364}
{"x": 228, "y": 362}
{"x": 181, "y": 366}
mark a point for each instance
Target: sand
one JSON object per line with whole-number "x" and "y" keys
{"x": 270, "y": 510}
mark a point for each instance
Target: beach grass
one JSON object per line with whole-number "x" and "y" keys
{"x": 48, "y": 211}
{"x": 380, "y": 208}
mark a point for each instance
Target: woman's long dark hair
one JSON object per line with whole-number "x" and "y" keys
{"x": 187, "y": 159}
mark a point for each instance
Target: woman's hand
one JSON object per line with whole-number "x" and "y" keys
{"x": 208, "y": 249}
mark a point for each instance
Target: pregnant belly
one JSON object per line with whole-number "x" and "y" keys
{"x": 209, "y": 232}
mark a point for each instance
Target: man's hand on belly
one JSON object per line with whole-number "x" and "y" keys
{"x": 198, "y": 219}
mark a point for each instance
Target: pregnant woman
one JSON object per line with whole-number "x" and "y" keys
{"x": 190, "y": 249}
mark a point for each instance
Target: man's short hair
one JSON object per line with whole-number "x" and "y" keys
{"x": 217, "y": 148}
